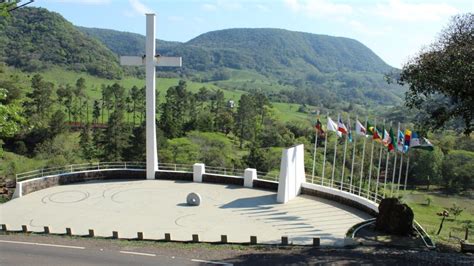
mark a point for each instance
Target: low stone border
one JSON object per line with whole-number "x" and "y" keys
{"x": 194, "y": 238}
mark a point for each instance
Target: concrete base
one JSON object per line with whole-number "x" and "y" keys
{"x": 156, "y": 207}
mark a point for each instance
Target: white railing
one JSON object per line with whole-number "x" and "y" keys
{"x": 188, "y": 168}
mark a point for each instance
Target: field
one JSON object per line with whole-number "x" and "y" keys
{"x": 283, "y": 111}
{"x": 426, "y": 215}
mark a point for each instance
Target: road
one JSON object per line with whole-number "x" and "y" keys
{"x": 32, "y": 253}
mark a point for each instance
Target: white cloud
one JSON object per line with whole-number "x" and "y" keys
{"x": 412, "y": 12}
{"x": 319, "y": 8}
{"x": 139, "y": 7}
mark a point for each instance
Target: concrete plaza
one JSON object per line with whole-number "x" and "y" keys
{"x": 156, "y": 207}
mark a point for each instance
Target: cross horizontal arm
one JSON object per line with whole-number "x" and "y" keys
{"x": 161, "y": 61}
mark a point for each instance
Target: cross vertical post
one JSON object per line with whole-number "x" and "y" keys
{"x": 151, "y": 61}
{"x": 151, "y": 148}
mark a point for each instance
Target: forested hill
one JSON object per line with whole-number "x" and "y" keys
{"x": 282, "y": 48}
{"x": 35, "y": 38}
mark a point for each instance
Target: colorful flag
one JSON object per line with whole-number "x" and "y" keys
{"x": 332, "y": 126}
{"x": 377, "y": 134}
{"x": 349, "y": 134}
{"x": 406, "y": 144}
{"x": 360, "y": 129}
{"x": 393, "y": 142}
{"x": 401, "y": 140}
{"x": 370, "y": 128}
{"x": 386, "y": 138}
{"x": 319, "y": 127}
{"x": 341, "y": 127}
{"x": 415, "y": 140}
{"x": 418, "y": 142}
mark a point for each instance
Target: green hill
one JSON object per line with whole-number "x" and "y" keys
{"x": 35, "y": 38}
{"x": 274, "y": 60}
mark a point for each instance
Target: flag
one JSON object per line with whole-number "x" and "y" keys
{"x": 349, "y": 134}
{"x": 332, "y": 126}
{"x": 360, "y": 129}
{"x": 386, "y": 140}
{"x": 370, "y": 128}
{"x": 341, "y": 127}
{"x": 418, "y": 142}
{"x": 401, "y": 140}
{"x": 393, "y": 142}
{"x": 415, "y": 140}
{"x": 376, "y": 134}
{"x": 406, "y": 144}
{"x": 319, "y": 127}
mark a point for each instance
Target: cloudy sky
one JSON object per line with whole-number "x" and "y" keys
{"x": 394, "y": 29}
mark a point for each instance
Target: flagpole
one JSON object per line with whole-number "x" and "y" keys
{"x": 335, "y": 152}
{"x": 380, "y": 162}
{"x": 400, "y": 171}
{"x": 371, "y": 159}
{"x": 406, "y": 175}
{"x": 363, "y": 157}
{"x": 386, "y": 165}
{"x": 344, "y": 157}
{"x": 395, "y": 162}
{"x": 315, "y": 147}
{"x": 353, "y": 157}
{"x": 325, "y": 148}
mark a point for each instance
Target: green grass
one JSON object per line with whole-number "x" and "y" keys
{"x": 426, "y": 215}
{"x": 289, "y": 112}
{"x": 21, "y": 163}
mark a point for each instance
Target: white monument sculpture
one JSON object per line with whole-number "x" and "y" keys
{"x": 292, "y": 173}
{"x": 150, "y": 61}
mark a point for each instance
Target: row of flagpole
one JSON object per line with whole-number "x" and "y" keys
{"x": 387, "y": 140}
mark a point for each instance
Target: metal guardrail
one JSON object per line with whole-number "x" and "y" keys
{"x": 188, "y": 168}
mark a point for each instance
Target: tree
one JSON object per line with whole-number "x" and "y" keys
{"x": 174, "y": 110}
{"x": 441, "y": 78}
{"x": 245, "y": 119}
{"x": 85, "y": 140}
{"x": 80, "y": 93}
{"x": 116, "y": 136}
{"x": 457, "y": 170}
{"x": 96, "y": 112}
{"x": 65, "y": 96}
{"x": 41, "y": 101}
{"x": 57, "y": 124}
{"x": 11, "y": 118}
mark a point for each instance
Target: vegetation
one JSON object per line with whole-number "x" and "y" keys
{"x": 34, "y": 39}
{"x": 440, "y": 79}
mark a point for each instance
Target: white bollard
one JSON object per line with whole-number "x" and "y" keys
{"x": 250, "y": 174}
{"x": 198, "y": 170}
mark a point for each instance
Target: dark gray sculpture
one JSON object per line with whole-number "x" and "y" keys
{"x": 193, "y": 199}
{"x": 394, "y": 217}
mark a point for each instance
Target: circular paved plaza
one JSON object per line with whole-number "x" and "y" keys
{"x": 156, "y": 207}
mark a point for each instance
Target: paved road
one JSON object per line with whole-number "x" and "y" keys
{"x": 31, "y": 253}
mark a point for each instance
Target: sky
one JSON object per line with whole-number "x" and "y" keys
{"x": 394, "y": 29}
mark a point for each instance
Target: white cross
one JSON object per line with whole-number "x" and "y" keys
{"x": 151, "y": 61}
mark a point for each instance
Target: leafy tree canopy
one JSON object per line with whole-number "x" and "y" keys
{"x": 440, "y": 78}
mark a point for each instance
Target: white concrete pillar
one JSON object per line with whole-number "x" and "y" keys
{"x": 151, "y": 152}
{"x": 198, "y": 170}
{"x": 292, "y": 173}
{"x": 250, "y": 174}
{"x": 18, "y": 190}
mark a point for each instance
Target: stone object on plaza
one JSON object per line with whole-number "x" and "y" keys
{"x": 193, "y": 199}
{"x": 394, "y": 217}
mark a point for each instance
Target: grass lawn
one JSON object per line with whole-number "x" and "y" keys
{"x": 426, "y": 215}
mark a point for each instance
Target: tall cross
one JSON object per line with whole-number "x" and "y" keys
{"x": 151, "y": 61}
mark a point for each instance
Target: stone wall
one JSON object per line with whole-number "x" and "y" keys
{"x": 265, "y": 184}
{"x": 36, "y": 184}
{"x": 220, "y": 179}
{"x": 163, "y": 175}
{"x": 337, "y": 198}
